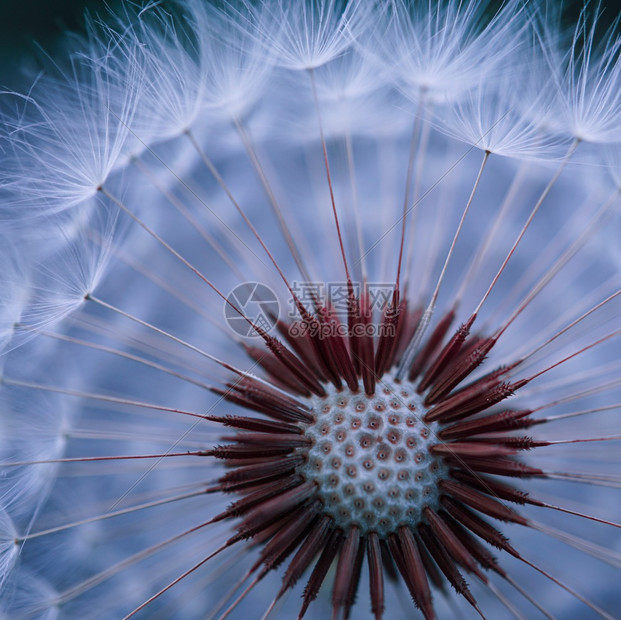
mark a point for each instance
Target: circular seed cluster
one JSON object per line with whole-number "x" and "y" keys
{"x": 370, "y": 458}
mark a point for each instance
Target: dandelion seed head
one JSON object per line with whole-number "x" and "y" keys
{"x": 15, "y": 296}
{"x": 204, "y": 205}
{"x": 44, "y": 439}
{"x": 9, "y": 551}
{"x": 587, "y": 75}
{"x": 29, "y": 594}
{"x": 75, "y": 132}
{"x": 62, "y": 280}
{"x": 496, "y": 117}
{"x": 235, "y": 62}
{"x": 310, "y": 34}
{"x": 165, "y": 75}
{"x": 442, "y": 49}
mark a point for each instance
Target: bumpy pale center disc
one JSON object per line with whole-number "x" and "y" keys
{"x": 371, "y": 458}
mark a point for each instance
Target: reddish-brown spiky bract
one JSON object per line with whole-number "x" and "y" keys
{"x": 281, "y": 508}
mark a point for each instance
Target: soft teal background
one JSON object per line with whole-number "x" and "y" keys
{"x": 24, "y": 24}
{"x": 25, "y": 21}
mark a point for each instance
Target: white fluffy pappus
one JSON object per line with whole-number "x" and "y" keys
{"x": 369, "y": 164}
{"x": 587, "y": 78}
{"x": 64, "y": 150}
{"x": 439, "y": 50}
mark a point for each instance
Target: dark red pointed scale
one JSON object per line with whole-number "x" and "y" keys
{"x": 345, "y": 568}
{"x": 298, "y": 337}
{"x": 252, "y": 474}
{"x": 481, "y": 502}
{"x": 365, "y": 344}
{"x": 447, "y": 355}
{"x": 432, "y": 346}
{"x": 233, "y": 451}
{"x": 278, "y": 372}
{"x": 388, "y": 333}
{"x": 320, "y": 571}
{"x": 476, "y": 398}
{"x": 354, "y": 581}
{"x": 251, "y": 404}
{"x": 388, "y": 562}
{"x": 477, "y": 525}
{"x": 405, "y": 553}
{"x": 506, "y": 420}
{"x": 470, "y": 448}
{"x": 354, "y": 318}
{"x": 266, "y": 511}
{"x": 431, "y": 568}
{"x": 482, "y": 555}
{"x": 523, "y": 442}
{"x": 314, "y": 542}
{"x": 499, "y": 465}
{"x": 287, "y": 538}
{"x": 338, "y": 344}
{"x": 295, "y": 365}
{"x": 494, "y": 487}
{"x": 255, "y": 424}
{"x": 270, "y": 440}
{"x": 451, "y": 543}
{"x": 317, "y": 327}
{"x": 446, "y": 564}
{"x": 405, "y": 333}
{"x": 376, "y": 575}
{"x": 257, "y": 495}
{"x": 455, "y": 373}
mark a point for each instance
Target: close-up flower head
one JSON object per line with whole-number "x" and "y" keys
{"x": 312, "y": 309}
